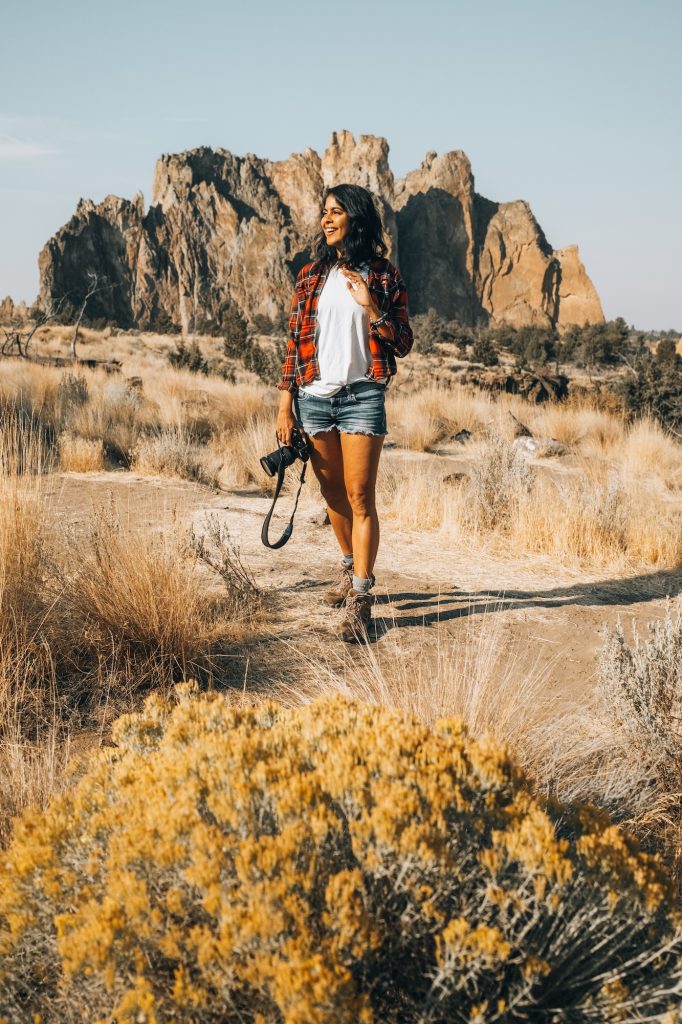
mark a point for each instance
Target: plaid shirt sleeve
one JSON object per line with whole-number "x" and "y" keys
{"x": 402, "y": 339}
{"x": 295, "y": 320}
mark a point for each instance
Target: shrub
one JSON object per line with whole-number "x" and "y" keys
{"x": 641, "y": 687}
{"x": 78, "y": 455}
{"x": 263, "y": 324}
{"x": 174, "y": 452}
{"x": 595, "y": 344}
{"x": 188, "y": 357}
{"x": 72, "y": 391}
{"x": 235, "y": 331}
{"x": 336, "y": 862}
{"x": 266, "y": 363}
{"x": 653, "y": 387}
{"x": 484, "y": 351}
{"x": 497, "y": 483}
{"x": 429, "y": 329}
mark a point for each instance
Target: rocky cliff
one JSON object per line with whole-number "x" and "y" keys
{"x": 224, "y": 230}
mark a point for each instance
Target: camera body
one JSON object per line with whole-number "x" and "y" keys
{"x": 286, "y": 455}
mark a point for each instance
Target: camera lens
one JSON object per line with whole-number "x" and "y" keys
{"x": 270, "y": 463}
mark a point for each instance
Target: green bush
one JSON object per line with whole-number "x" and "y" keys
{"x": 430, "y": 329}
{"x": 235, "y": 331}
{"x": 330, "y": 863}
{"x": 188, "y": 357}
{"x": 653, "y": 386}
{"x": 484, "y": 351}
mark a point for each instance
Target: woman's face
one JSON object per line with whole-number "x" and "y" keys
{"x": 335, "y": 222}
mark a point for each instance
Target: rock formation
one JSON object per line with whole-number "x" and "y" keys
{"x": 227, "y": 231}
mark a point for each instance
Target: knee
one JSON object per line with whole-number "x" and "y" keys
{"x": 335, "y": 496}
{"x": 361, "y": 501}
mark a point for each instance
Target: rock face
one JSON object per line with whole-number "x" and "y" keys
{"x": 227, "y": 231}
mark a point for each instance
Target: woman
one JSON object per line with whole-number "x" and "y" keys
{"x": 348, "y": 323}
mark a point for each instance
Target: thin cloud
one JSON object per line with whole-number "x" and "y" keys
{"x": 12, "y": 148}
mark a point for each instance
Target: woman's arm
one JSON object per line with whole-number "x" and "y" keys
{"x": 396, "y": 331}
{"x": 286, "y": 420}
{"x": 287, "y": 382}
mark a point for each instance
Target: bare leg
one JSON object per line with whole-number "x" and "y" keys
{"x": 327, "y": 462}
{"x": 360, "y": 463}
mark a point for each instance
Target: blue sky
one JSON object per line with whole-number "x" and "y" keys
{"x": 574, "y": 107}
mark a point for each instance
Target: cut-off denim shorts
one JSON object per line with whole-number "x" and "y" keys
{"x": 358, "y": 408}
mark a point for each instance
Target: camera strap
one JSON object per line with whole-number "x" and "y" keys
{"x": 290, "y": 526}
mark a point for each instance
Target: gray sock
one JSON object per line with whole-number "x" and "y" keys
{"x": 347, "y": 561}
{"x": 361, "y": 585}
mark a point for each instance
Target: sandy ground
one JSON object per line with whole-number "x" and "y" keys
{"x": 544, "y": 623}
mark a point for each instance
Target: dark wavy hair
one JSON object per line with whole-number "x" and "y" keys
{"x": 365, "y": 239}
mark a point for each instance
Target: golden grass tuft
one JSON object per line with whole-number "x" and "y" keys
{"x": 421, "y": 420}
{"x": 173, "y": 452}
{"x": 77, "y": 455}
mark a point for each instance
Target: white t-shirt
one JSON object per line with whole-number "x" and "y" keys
{"x": 341, "y": 337}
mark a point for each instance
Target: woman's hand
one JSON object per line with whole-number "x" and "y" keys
{"x": 286, "y": 421}
{"x": 357, "y": 286}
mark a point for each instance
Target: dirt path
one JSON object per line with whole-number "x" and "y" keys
{"x": 426, "y": 593}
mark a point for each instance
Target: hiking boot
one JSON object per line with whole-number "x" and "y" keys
{"x": 338, "y": 592}
{"x": 356, "y": 619}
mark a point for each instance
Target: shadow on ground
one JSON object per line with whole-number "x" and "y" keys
{"x": 413, "y": 608}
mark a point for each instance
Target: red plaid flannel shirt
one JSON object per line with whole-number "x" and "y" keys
{"x": 388, "y": 292}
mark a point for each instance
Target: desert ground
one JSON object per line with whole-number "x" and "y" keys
{"x": 166, "y": 769}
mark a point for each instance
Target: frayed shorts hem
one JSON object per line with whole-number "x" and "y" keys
{"x": 346, "y": 430}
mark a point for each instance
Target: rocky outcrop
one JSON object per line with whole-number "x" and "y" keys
{"x": 227, "y": 231}
{"x": 9, "y": 312}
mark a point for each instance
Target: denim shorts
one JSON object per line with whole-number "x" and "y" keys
{"x": 357, "y": 408}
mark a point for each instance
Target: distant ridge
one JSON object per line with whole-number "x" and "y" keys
{"x": 228, "y": 231}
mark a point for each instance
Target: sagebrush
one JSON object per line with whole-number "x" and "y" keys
{"x": 336, "y": 862}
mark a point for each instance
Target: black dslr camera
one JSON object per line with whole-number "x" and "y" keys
{"x": 287, "y": 454}
{"x": 275, "y": 464}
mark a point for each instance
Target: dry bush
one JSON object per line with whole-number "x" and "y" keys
{"x": 180, "y": 398}
{"x": 76, "y": 455}
{"x": 603, "y": 434}
{"x": 649, "y": 451}
{"x": 32, "y": 723}
{"x": 597, "y": 517}
{"x": 115, "y": 415}
{"x": 592, "y": 521}
{"x": 333, "y": 862}
{"x": 424, "y": 419}
{"x": 139, "y": 611}
{"x": 500, "y": 480}
{"x": 624, "y": 750}
{"x": 411, "y": 494}
{"x": 241, "y": 450}
{"x": 173, "y": 452}
{"x": 641, "y": 687}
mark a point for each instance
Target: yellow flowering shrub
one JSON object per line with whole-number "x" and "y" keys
{"x": 336, "y": 863}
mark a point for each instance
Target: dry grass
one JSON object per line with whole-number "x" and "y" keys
{"x": 76, "y": 455}
{"x": 624, "y": 750}
{"x": 472, "y": 677}
{"x": 648, "y": 452}
{"x": 241, "y": 450}
{"x": 424, "y": 419}
{"x": 88, "y": 621}
{"x": 594, "y": 517}
{"x": 173, "y": 452}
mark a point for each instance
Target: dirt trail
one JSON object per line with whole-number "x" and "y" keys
{"x": 426, "y": 592}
